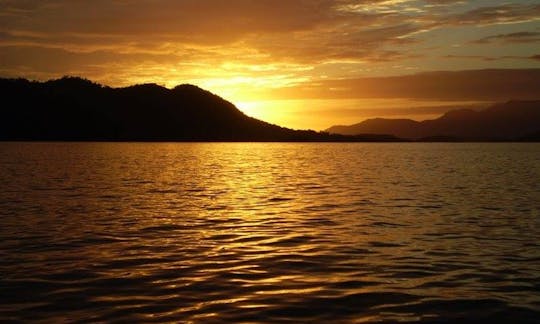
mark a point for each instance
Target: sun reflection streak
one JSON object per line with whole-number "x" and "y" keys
{"x": 285, "y": 231}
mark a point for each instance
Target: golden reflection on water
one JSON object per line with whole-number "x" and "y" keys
{"x": 248, "y": 232}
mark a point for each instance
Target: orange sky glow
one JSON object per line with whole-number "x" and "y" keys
{"x": 301, "y": 64}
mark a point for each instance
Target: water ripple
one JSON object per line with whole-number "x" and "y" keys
{"x": 385, "y": 233}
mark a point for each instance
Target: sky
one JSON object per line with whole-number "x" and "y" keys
{"x": 296, "y": 63}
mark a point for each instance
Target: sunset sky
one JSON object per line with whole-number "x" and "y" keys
{"x": 296, "y": 63}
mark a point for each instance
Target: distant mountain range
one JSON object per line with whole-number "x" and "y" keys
{"x": 75, "y": 109}
{"x": 513, "y": 120}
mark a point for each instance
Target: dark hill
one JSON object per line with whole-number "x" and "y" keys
{"x": 74, "y": 109}
{"x": 513, "y": 120}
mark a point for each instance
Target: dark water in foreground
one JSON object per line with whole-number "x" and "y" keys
{"x": 269, "y": 232}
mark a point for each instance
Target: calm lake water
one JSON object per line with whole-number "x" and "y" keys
{"x": 268, "y": 232}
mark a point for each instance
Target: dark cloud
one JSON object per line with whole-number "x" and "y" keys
{"x": 500, "y": 14}
{"x": 512, "y": 38}
{"x": 484, "y": 85}
{"x": 301, "y": 30}
{"x": 209, "y": 20}
{"x": 410, "y": 110}
{"x": 278, "y": 25}
{"x": 444, "y": 2}
{"x": 44, "y": 36}
{"x": 57, "y": 59}
{"x": 488, "y": 58}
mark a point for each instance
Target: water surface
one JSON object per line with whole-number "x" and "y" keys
{"x": 269, "y": 232}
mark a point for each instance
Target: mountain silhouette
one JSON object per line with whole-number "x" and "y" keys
{"x": 513, "y": 120}
{"x": 75, "y": 109}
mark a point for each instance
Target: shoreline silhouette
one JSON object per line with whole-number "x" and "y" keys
{"x": 77, "y": 109}
{"x": 515, "y": 119}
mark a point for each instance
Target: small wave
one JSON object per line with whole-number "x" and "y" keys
{"x": 386, "y": 224}
{"x": 280, "y": 199}
{"x": 384, "y": 244}
{"x": 162, "y": 228}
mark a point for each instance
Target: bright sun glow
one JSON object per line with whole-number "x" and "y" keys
{"x": 299, "y": 64}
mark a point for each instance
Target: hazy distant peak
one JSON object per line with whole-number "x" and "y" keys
{"x": 515, "y": 102}
{"x": 511, "y": 120}
{"x": 381, "y": 120}
{"x": 458, "y": 113}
